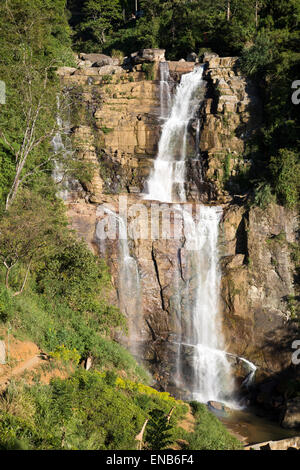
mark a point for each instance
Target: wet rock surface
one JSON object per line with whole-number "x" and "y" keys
{"x": 117, "y": 130}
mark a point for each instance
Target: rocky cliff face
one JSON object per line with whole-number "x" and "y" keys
{"x": 116, "y": 126}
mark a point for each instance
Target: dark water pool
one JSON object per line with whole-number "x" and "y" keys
{"x": 253, "y": 429}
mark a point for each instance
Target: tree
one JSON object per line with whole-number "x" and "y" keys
{"x": 30, "y": 228}
{"x": 34, "y": 40}
{"x": 99, "y": 19}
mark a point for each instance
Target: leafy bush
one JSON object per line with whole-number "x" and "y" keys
{"x": 66, "y": 355}
{"x": 256, "y": 58}
{"x": 263, "y": 195}
{"x": 158, "y": 431}
{"x": 148, "y": 69}
{"x": 84, "y": 412}
{"x": 285, "y": 169}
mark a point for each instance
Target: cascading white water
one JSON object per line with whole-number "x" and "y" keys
{"x": 202, "y": 331}
{"x": 60, "y": 149}
{"x": 164, "y": 90}
{"x": 166, "y": 182}
{"x": 129, "y": 288}
{"x": 200, "y": 345}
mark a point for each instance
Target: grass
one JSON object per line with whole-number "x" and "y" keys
{"x": 209, "y": 433}
{"x": 52, "y": 326}
{"x": 89, "y": 411}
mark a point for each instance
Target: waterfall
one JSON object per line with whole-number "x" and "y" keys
{"x": 164, "y": 90}
{"x": 61, "y": 149}
{"x": 129, "y": 287}
{"x": 201, "y": 335}
{"x": 252, "y": 370}
{"x": 167, "y": 179}
{"x": 202, "y": 365}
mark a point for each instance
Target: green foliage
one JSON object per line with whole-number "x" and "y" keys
{"x": 256, "y": 59}
{"x": 106, "y": 130}
{"x": 210, "y": 434}
{"x": 285, "y": 170}
{"x": 83, "y": 412}
{"x": 64, "y": 354}
{"x": 263, "y": 195}
{"x": 80, "y": 413}
{"x": 293, "y": 306}
{"x": 148, "y": 69}
{"x": 158, "y": 431}
{"x": 106, "y": 78}
{"x": 99, "y": 20}
{"x": 51, "y": 323}
{"x": 34, "y": 40}
{"x": 30, "y": 228}
{"x": 74, "y": 274}
{"x": 227, "y": 166}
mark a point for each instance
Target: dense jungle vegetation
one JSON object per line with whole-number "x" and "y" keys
{"x": 53, "y": 290}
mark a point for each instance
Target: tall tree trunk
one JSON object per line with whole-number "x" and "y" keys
{"x": 24, "y": 281}
{"x": 6, "y": 277}
{"x": 228, "y": 10}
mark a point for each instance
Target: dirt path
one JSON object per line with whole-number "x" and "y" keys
{"x": 29, "y": 364}
{"x": 188, "y": 422}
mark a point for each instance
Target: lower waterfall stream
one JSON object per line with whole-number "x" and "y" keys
{"x": 201, "y": 331}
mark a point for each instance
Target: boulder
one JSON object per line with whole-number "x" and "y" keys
{"x": 96, "y": 71}
{"x": 88, "y": 363}
{"x": 216, "y": 62}
{"x": 66, "y": 71}
{"x": 235, "y": 261}
{"x": 218, "y": 408}
{"x": 110, "y": 70}
{"x": 98, "y": 60}
{"x": 291, "y": 417}
{"x": 180, "y": 67}
{"x": 148, "y": 55}
{"x": 208, "y": 55}
{"x": 283, "y": 444}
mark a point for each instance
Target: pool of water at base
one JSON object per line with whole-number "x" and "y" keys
{"x": 252, "y": 429}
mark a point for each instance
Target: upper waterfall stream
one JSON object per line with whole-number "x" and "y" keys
{"x": 201, "y": 332}
{"x": 166, "y": 183}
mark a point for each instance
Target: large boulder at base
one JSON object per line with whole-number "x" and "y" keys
{"x": 98, "y": 60}
{"x": 148, "y": 55}
{"x": 291, "y": 417}
{"x": 218, "y": 408}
